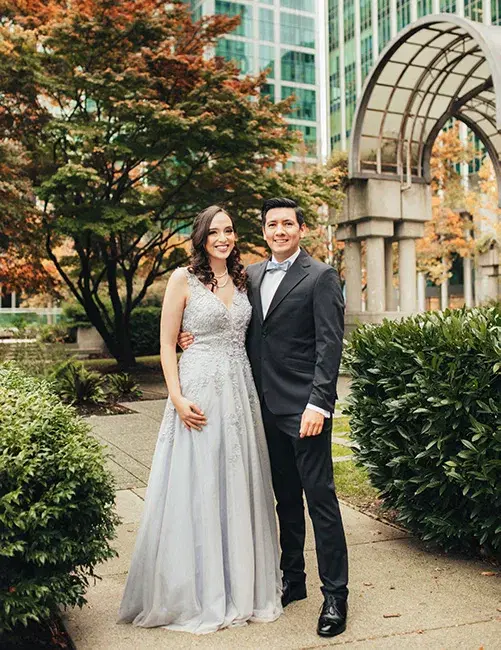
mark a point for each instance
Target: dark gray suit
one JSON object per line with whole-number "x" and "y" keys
{"x": 295, "y": 354}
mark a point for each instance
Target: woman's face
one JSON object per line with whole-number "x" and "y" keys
{"x": 221, "y": 238}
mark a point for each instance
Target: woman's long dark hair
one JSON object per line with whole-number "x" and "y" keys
{"x": 199, "y": 262}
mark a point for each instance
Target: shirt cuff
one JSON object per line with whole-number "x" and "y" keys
{"x": 326, "y": 414}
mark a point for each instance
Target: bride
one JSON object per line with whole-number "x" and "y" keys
{"x": 206, "y": 556}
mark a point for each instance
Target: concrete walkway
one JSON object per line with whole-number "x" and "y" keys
{"x": 401, "y": 596}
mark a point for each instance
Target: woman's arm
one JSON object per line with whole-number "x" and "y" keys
{"x": 175, "y": 299}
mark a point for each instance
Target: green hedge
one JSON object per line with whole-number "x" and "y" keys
{"x": 425, "y": 408}
{"x": 145, "y": 326}
{"x": 56, "y": 502}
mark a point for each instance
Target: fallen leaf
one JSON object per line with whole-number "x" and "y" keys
{"x": 391, "y": 615}
{"x": 489, "y": 573}
{"x": 499, "y": 609}
{"x": 367, "y": 584}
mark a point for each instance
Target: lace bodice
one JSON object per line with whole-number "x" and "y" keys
{"x": 216, "y": 328}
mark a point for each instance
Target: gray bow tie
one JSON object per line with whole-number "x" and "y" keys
{"x": 278, "y": 266}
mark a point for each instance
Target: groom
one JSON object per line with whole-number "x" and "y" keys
{"x": 294, "y": 345}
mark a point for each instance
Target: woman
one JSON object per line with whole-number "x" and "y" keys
{"x": 206, "y": 556}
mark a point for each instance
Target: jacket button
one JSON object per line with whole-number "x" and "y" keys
{"x": 264, "y": 333}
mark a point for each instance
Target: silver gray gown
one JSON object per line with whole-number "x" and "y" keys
{"x": 206, "y": 555}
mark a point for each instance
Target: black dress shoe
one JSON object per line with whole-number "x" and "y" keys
{"x": 292, "y": 591}
{"x": 332, "y": 619}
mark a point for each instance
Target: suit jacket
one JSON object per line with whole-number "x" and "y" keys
{"x": 295, "y": 351}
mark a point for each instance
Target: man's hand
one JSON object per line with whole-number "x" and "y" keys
{"x": 185, "y": 339}
{"x": 312, "y": 423}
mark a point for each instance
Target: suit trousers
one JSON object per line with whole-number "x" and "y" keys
{"x": 305, "y": 465}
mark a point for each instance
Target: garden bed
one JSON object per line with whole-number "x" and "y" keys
{"x": 49, "y": 635}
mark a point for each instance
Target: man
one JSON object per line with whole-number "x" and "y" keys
{"x": 294, "y": 345}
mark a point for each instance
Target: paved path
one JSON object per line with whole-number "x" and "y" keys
{"x": 401, "y": 596}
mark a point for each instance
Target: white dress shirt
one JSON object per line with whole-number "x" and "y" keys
{"x": 269, "y": 286}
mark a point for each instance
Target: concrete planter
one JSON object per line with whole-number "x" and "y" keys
{"x": 89, "y": 340}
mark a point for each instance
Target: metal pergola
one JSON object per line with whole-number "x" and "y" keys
{"x": 440, "y": 67}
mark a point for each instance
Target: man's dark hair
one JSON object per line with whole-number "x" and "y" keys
{"x": 269, "y": 204}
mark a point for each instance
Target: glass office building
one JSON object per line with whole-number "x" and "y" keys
{"x": 360, "y": 29}
{"x": 288, "y": 37}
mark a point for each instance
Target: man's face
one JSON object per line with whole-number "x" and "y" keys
{"x": 283, "y": 232}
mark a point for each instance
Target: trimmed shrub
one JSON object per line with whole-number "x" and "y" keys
{"x": 425, "y": 408}
{"x": 56, "y": 502}
{"x": 145, "y": 331}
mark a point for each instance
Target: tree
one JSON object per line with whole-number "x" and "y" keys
{"x": 132, "y": 130}
{"x": 446, "y": 234}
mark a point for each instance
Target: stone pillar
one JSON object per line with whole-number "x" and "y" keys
{"x": 407, "y": 232}
{"x": 444, "y": 294}
{"x": 388, "y": 261}
{"x": 407, "y": 274}
{"x": 376, "y": 298}
{"x": 353, "y": 275}
{"x": 468, "y": 285}
{"x": 421, "y": 292}
{"x": 489, "y": 262}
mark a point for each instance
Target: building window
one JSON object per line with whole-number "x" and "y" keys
{"x": 309, "y": 136}
{"x": 238, "y": 52}
{"x": 424, "y": 8}
{"x": 403, "y": 13}
{"x": 366, "y": 55}
{"x": 448, "y": 6}
{"x": 297, "y": 30}
{"x": 349, "y": 19}
{"x": 267, "y": 59}
{"x": 334, "y": 87}
{"x": 496, "y": 12}
{"x": 302, "y": 5}
{"x": 351, "y": 92}
{"x": 333, "y": 24}
{"x": 267, "y": 25}
{"x": 268, "y": 90}
{"x": 235, "y": 9}
{"x": 384, "y": 23}
{"x": 304, "y": 107}
{"x": 365, "y": 15}
{"x": 298, "y": 66}
{"x": 473, "y": 10}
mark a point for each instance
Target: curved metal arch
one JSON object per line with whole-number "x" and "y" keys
{"x": 488, "y": 40}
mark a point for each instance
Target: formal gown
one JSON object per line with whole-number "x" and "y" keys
{"x": 206, "y": 555}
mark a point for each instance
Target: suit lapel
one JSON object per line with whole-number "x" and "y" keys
{"x": 256, "y": 290}
{"x": 297, "y": 272}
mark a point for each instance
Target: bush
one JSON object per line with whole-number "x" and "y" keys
{"x": 56, "y": 502}
{"x": 425, "y": 409}
{"x": 76, "y": 385}
{"x": 145, "y": 331}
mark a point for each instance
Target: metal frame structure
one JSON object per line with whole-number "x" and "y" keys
{"x": 438, "y": 68}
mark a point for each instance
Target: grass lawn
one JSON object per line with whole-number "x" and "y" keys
{"x": 341, "y": 450}
{"x": 353, "y": 485}
{"x": 340, "y": 425}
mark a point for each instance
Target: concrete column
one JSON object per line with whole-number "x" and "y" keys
{"x": 388, "y": 263}
{"x": 375, "y": 275}
{"x": 421, "y": 292}
{"x": 353, "y": 276}
{"x": 486, "y": 12}
{"x": 393, "y": 18}
{"x": 407, "y": 274}
{"x": 444, "y": 294}
{"x": 468, "y": 285}
{"x": 414, "y": 11}
{"x": 13, "y": 300}
{"x": 375, "y": 32}
{"x": 436, "y": 6}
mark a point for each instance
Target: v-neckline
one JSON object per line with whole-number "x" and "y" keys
{"x": 228, "y": 309}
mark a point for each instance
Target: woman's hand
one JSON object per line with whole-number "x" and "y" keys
{"x": 190, "y": 414}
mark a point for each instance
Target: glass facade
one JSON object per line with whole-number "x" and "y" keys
{"x": 496, "y": 12}
{"x": 281, "y": 38}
